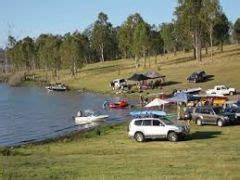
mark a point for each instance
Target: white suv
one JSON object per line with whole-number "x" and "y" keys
{"x": 118, "y": 83}
{"x": 154, "y": 128}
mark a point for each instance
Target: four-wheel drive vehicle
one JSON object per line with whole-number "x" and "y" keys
{"x": 154, "y": 128}
{"x": 198, "y": 76}
{"x": 221, "y": 90}
{"x": 118, "y": 83}
{"x": 211, "y": 115}
{"x": 231, "y": 104}
{"x": 235, "y": 112}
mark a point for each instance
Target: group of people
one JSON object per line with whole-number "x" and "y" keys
{"x": 141, "y": 85}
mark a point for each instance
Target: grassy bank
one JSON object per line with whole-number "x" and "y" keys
{"x": 208, "y": 153}
{"x": 4, "y": 77}
{"x": 96, "y": 77}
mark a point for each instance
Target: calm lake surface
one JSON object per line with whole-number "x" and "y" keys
{"x": 30, "y": 114}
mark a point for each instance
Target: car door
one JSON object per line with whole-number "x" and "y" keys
{"x": 206, "y": 113}
{"x": 147, "y": 127}
{"x": 158, "y": 129}
{"x": 212, "y": 117}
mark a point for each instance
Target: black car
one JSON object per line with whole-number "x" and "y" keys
{"x": 234, "y": 112}
{"x": 198, "y": 76}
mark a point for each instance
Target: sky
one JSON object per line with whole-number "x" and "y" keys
{"x": 22, "y": 18}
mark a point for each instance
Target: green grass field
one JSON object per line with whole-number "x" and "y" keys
{"x": 209, "y": 152}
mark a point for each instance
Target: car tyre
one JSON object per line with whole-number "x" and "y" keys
{"x": 139, "y": 137}
{"x": 199, "y": 122}
{"x": 220, "y": 123}
{"x": 172, "y": 136}
{"x": 231, "y": 93}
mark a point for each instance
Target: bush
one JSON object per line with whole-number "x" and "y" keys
{"x": 16, "y": 79}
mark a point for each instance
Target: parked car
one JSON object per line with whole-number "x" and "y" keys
{"x": 221, "y": 90}
{"x": 198, "y": 76}
{"x": 154, "y": 128}
{"x": 235, "y": 112}
{"x": 211, "y": 115}
{"x": 118, "y": 84}
{"x": 231, "y": 104}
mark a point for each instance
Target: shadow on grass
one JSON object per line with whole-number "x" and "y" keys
{"x": 203, "y": 135}
{"x": 178, "y": 61}
{"x": 101, "y": 68}
{"x": 230, "y": 51}
{"x": 209, "y": 78}
{"x": 169, "y": 83}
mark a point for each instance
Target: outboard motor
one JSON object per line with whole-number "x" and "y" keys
{"x": 105, "y": 104}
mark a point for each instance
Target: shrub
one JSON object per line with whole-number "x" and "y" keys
{"x": 16, "y": 79}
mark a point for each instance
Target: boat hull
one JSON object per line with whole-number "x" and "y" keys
{"x": 56, "y": 89}
{"x": 89, "y": 119}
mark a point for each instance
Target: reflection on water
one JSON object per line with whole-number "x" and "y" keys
{"x": 31, "y": 114}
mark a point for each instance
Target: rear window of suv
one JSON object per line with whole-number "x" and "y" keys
{"x": 138, "y": 123}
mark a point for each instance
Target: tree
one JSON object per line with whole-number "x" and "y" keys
{"x": 142, "y": 41}
{"x": 126, "y": 33}
{"x": 48, "y": 52}
{"x": 168, "y": 35}
{"x": 209, "y": 17}
{"x": 221, "y": 30}
{"x": 156, "y": 43}
{"x": 73, "y": 51}
{"x": 28, "y": 52}
{"x": 42, "y": 51}
{"x": 183, "y": 35}
{"x": 101, "y": 35}
{"x": 188, "y": 16}
{"x": 125, "y": 38}
{"x": 237, "y": 30}
{"x": 11, "y": 41}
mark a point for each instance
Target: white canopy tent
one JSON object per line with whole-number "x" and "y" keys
{"x": 157, "y": 102}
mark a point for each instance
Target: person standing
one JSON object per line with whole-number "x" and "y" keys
{"x": 141, "y": 99}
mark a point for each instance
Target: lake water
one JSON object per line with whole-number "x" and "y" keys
{"x": 30, "y": 114}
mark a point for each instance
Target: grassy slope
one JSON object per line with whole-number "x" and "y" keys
{"x": 225, "y": 68}
{"x": 209, "y": 152}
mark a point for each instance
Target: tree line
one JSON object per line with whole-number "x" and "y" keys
{"x": 197, "y": 24}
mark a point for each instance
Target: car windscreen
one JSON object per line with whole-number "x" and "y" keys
{"x": 194, "y": 74}
{"x": 122, "y": 81}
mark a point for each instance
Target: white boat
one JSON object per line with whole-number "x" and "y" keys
{"x": 89, "y": 117}
{"x": 57, "y": 87}
{"x": 191, "y": 91}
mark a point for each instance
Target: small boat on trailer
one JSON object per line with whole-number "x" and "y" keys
{"x": 89, "y": 116}
{"x": 191, "y": 91}
{"x": 57, "y": 87}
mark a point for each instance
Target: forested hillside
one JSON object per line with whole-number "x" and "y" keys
{"x": 197, "y": 25}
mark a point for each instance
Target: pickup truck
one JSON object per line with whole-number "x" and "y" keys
{"x": 221, "y": 90}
